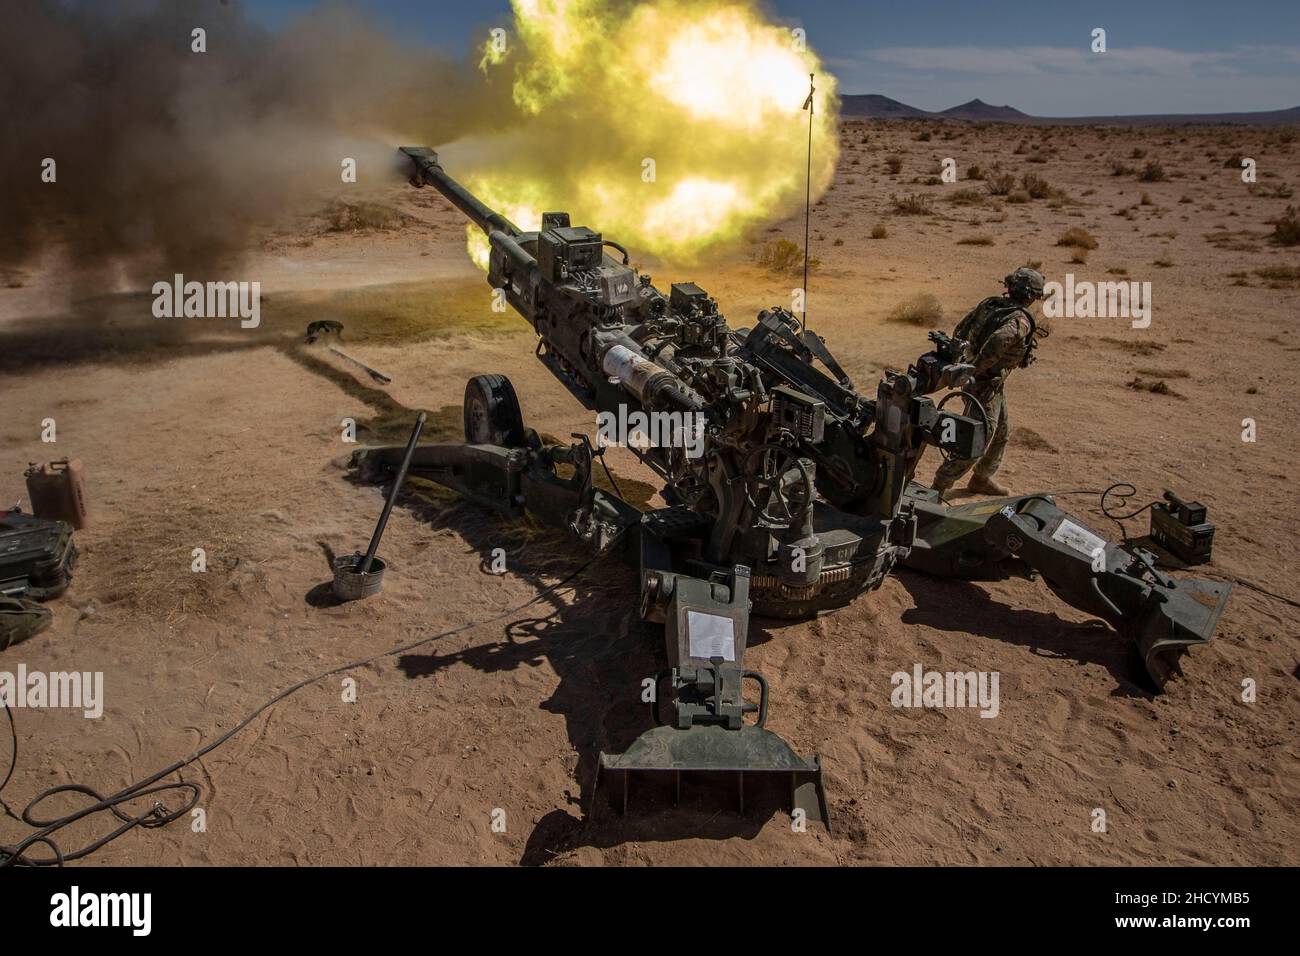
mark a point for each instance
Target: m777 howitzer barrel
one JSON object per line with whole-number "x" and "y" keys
{"x": 501, "y": 232}
{"x": 617, "y": 355}
{"x": 428, "y": 172}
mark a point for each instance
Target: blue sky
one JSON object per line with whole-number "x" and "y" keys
{"x": 1163, "y": 56}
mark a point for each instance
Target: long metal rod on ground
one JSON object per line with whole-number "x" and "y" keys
{"x": 377, "y": 375}
{"x": 392, "y": 495}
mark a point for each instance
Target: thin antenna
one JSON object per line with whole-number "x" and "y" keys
{"x": 807, "y": 201}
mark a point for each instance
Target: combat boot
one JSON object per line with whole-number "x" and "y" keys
{"x": 981, "y": 485}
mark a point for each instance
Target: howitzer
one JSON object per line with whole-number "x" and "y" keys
{"x": 800, "y": 495}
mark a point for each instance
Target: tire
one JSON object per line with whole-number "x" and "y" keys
{"x": 492, "y": 415}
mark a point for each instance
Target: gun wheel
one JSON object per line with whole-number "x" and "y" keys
{"x": 492, "y": 415}
{"x": 779, "y": 486}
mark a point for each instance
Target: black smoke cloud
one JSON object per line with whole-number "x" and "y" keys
{"x": 170, "y": 159}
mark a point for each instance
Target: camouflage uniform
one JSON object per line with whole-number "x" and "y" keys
{"x": 999, "y": 332}
{"x": 21, "y": 619}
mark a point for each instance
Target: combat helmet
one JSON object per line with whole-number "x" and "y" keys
{"x": 1026, "y": 282}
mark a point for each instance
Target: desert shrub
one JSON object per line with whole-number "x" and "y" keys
{"x": 924, "y": 136}
{"x": 1286, "y": 229}
{"x": 1001, "y": 184}
{"x": 1036, "y": 186}
{"x": 358, "y": 216}
{"x": 1279, "y": 273}
{"x": 1152, "y": 172}
{"x": 976, "y": 241}
{"x": 920, "y": 309}
{"x": 894, "y": 164}
{"x": 879, "y": 232}
{"x": 1077, "y": 237}
{"x": 974, "y": 172}
{"x": 967, "y": 197}
{"x": 1158, "y": 387}
{"x": 1120, "y": 169}
{"x": 913, "y": 205}
{"x": 1079, "y": 255}
{"x": 782, "y": 256}
{"x": 1018, "y": 196}
{"x": 1280, "y": 191}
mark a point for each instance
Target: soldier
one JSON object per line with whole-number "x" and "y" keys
{"x": 1002, "y": 334}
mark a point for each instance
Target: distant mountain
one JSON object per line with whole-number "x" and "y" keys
{"x": 979, "y": 111}
{"x": 1289, "y": 117}
{"x": 882, "y": 107}
{"x": 875, "y": 106}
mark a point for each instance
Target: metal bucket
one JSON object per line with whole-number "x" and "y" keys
{"x": 350, "y": 583}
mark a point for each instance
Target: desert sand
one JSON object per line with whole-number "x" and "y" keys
{"x": 196, "y": 434}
